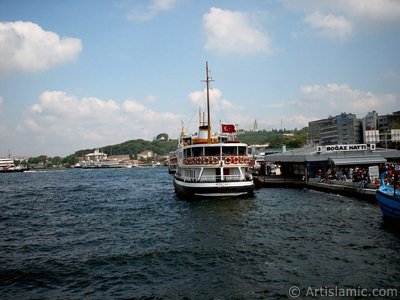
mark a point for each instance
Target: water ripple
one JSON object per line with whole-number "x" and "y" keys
{"x": 123, "y": 234}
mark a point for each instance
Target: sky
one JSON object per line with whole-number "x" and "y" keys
{"x": 85, "y": 74}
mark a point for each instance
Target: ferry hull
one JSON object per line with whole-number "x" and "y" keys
{"x": 213, "y": 189}
{"x": 13, "y": 171}
{"x": 389, "y": 204}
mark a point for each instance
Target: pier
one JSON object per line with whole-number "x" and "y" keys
{"x": 349, "y": 170}
{"x": 350, "y": 189}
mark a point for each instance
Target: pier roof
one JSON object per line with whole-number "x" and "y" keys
{"x": 310, "y": 154}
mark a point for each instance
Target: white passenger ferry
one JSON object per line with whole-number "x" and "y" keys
{"x": 212, "y": 166}
{"x": 7, "y": 166}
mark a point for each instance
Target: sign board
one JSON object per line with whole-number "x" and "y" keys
{"x": 373, "y": 171}
{"x": 345, "y": 148}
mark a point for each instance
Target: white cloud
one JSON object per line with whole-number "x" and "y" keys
{"x": 385, "y": 11}
{"x": 232, "y": 32}
{"x": 343, "y": 18}
{"x": 221, "y": 109}
{"x": 331, "y": 26}
{"x": 26, "y": 47}
{"x": 141, "y": 13}
{"x": 199, "y": 99}
{"x": 375, "y": 10}
{"x": 320, "y": 101}
{"x": 142, "y": 113}
{"x": 285, "y": 120}
{"x": 64, "y": 123}
{"x": 334, "y": 98}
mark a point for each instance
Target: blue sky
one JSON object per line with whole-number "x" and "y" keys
{"x": 84, "y": 74}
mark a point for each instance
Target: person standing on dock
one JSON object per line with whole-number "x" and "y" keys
{"x": 396, "y": 170}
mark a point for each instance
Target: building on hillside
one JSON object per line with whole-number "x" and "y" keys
{"x": 145, "y": 154}
{"x": 388, "y": 122}
{"x": 382, "y": 130}
{"x": 370, "y": 121}
{"x": 340, "y": 129}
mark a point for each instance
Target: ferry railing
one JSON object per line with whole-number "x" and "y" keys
{"x": 213, "y": 178}
{"x": 216, "y": 159}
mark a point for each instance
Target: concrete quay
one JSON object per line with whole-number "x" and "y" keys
{"x": 345, "y": 188}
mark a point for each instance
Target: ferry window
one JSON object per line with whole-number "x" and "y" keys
{"x": 188, "y": 152}
{"x": 198, "y": 151}
{"x": 242, "y": 151}
{"x": 229, "y": 151}
{"x": 212, "y": 151}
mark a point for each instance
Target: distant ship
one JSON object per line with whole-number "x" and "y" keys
{"x": 212, "y": 165}
{"x": 7, "y": 166}
{"x": 98, "y": 160}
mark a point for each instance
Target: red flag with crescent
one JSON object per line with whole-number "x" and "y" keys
{"x": 228, "y": 128}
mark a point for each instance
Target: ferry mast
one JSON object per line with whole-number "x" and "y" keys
{"x": 208, "y": 79}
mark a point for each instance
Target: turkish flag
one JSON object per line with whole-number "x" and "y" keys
{"x": 228, "y": 128}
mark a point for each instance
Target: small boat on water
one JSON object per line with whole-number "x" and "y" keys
{"x": 212, "y": 165}
{"x": 388, "y": 196}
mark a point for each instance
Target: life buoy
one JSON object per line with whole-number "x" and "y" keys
{"x": 215, "y": 160}
{"x": 235, "y": 159}
{"x": 228, "y": 160}
{"x": 241, "y": 159}
{"x": 198, "y": 160}
{"x": 185, "y": 162}
{"x": 206, "y": 160}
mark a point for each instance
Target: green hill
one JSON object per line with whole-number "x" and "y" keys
{"x": 133, "y": 147}
{"x": 275, "y": 138}
{"x": 162, "y": 145}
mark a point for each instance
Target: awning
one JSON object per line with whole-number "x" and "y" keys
{"x": 365, "y": 160}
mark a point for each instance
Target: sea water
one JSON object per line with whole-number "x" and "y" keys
{"x": 123, "y": 234}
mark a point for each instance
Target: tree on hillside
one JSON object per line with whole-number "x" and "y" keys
{"x": 162, "y": 136}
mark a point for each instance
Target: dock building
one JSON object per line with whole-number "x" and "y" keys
{"x": 342, "y": 143}
{"x": 341, "y": 129}
{"x": 342, "y": 155}
{"x": 348, "y": 129}
{"x": 324, "y": 161}
{"x": 382, "y": 130}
